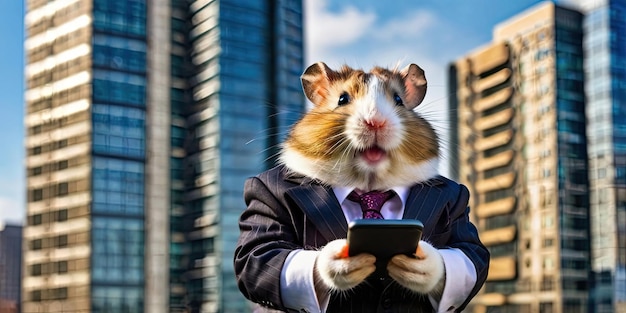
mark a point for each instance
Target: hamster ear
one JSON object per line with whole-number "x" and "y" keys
{"x": 414, "y": 84}
{"x": 316, "y": 81}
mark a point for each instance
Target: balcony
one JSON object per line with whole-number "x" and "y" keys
{"x": 501, "y": 159}
{"x": 492, "y": 80}
{"x": 498, "y": 207}
{"x": 493, "y": 100}
{"x": 491, "y": 299}
{"x": 502, "y": 181}
{"x": 489, "y": 58}
{"x": 502, "y": 268}
{"x": 496, "y": 140}
{"x": 498, "y": 236}
{"x": 503, "y": 117}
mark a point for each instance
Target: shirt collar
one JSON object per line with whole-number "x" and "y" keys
{"x": 342, "y": 193}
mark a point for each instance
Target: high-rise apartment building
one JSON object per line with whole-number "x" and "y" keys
{"x": 143, "y": 120}
{"x": 522, "y": 152}
{"x": 10, "y": 267}
{"x": 605, "y": 87}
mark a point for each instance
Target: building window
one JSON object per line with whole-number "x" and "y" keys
{"x": 548, "y": 263}
{"x": 116, "y": 299}
{"x": 118, "y": 257}
{"x": 547, "y": 283}
{"x": 546, "y": 307}
{"x": 37, "y": 194}
{"x": 57, "y": 294}
{"x": 35, "y": 270}
{"x": 548, "y": 242}
{"x": 574, "y": 284}
{"x": 37, "y": 171}
{"x": 62, "y": 267}
{"x": 494, "y": 195}
{"x": 573, "y": 306}
{"x": 118, "y": 130}
{"x": 62, "y": 241}
{"x": 61, "y": 215}
{"x": 62, "y": 189}
{"x": 36, "y": 219}
{"x": 118, "y": 186}
{"x": 547, "y": 222}
{"x": 116, "y": 87}
{"x": 499, "y": 221}
{"x": 574, "y": 264}
{"x": 36, "y": 150}
{"x": 35, "y": 295}
{"x": 36, "y": 244}
{"x": 62, "y": 165}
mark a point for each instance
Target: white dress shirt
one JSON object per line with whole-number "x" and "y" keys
{"x": 296, "y": 281}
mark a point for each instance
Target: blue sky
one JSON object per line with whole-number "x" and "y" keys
{"x": 12, "y": 172}
{"x": 360, "y": 33}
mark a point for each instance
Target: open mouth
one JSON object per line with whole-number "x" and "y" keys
{"x": 373, "y": 154}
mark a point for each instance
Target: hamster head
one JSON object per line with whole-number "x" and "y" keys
{"x": 362, "y": 131}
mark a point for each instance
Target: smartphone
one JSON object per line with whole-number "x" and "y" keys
{"x": 384, "y": 238}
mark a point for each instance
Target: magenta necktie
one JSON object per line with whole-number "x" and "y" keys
{"x": 371, "y": 202}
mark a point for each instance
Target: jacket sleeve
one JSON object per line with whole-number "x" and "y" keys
{"x": 267, "y": 236}
{"x": 464, "y": 236}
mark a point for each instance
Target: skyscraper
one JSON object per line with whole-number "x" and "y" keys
{"x": 605, "y": 87}
{"x": 10, "y": 267}
{"x": 143, "y": 121}
{"x": 522, "y": 152}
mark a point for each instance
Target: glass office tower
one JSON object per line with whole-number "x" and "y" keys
{"x": 143, "y": 121}
{"x": 10, "y": 267}
{"x": 605, "y": 69}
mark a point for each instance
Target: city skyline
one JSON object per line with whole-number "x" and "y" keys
{"x": 145, "y": 155}
{"x": 363, "y": 34}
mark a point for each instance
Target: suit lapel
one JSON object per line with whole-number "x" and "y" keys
{"x": 424, "y": 203}
{"x": 321, "y": 207}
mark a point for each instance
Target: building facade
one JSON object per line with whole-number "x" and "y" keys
{"x": 143, "y": 121}
{"x": 10, "y": 268}
{"x": 605, "y": 87}
{"x": 522, "y": 152}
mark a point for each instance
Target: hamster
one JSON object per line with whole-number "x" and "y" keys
{"x": 363, "y": 131}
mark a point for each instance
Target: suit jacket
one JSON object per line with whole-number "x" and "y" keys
{"x": 287, "y": 212}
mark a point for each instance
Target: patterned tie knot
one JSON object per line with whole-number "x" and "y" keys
{"x": 371, "y": 202}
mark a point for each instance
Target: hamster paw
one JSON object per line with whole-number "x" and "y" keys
{"x": 338, "y": 271}
{"x": 425, "y": 273}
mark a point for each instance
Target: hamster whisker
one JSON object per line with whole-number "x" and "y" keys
{"x": 343, "y": 155}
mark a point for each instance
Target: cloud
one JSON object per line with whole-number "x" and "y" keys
{"x": 411, "y": 26}
{"x": 362, "y": 38}
{"x": 327, "y": 30}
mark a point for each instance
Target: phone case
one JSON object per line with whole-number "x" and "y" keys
{"x": 384, "y": 238}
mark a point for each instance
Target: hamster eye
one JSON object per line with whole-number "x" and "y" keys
{"x": 397, "y": 99}
{"x": 344, "y": 99}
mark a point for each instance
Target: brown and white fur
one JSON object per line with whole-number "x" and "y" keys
{"x": 363, "y": 132}
{"x": 369, "y": 142}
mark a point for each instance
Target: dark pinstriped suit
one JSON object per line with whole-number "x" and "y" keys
{"x": 287, "y": 212}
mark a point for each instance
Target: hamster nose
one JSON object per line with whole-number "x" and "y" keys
{"x": 375, "y": 123}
